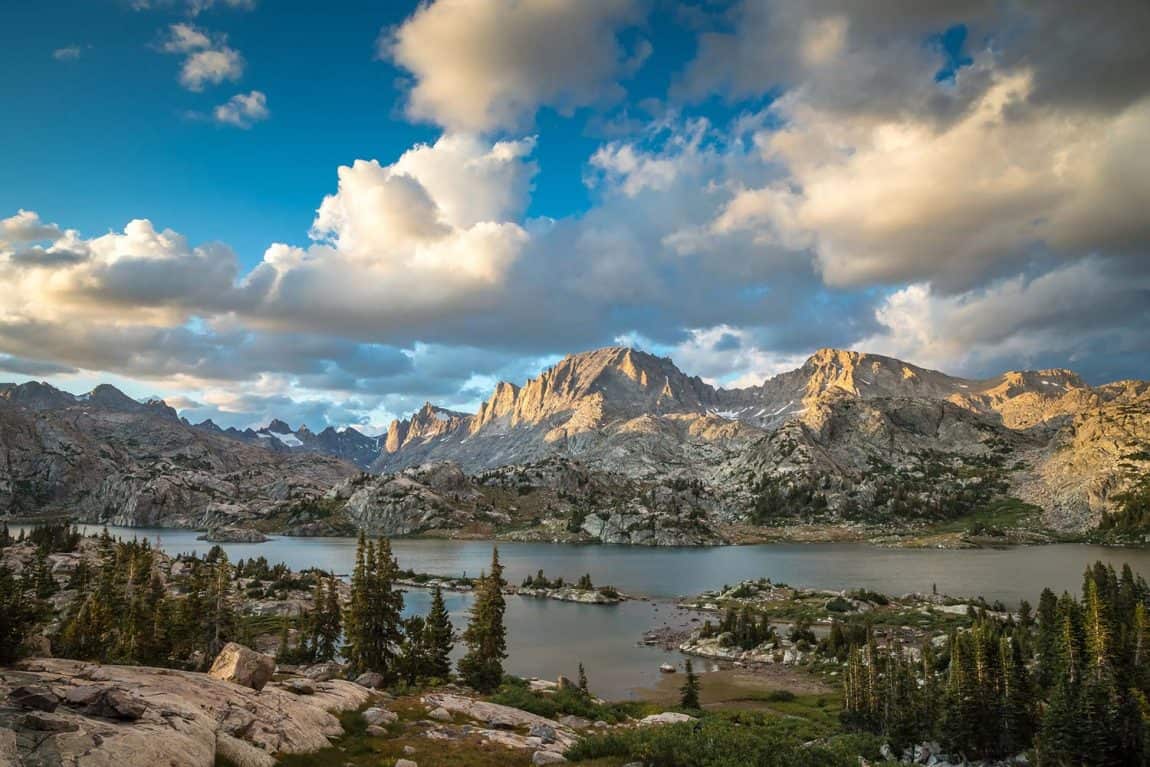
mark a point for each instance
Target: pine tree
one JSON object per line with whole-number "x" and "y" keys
{"x": 485, "y": 636}
{"x": 1046, "y": 644}
{"x": 17, "y": 615}
{"x": 690, "y": 689}
{"x": 355, "y": 618}
{"x": 1096, "y": 628}
{"x": 374, "y": 628}
{"x": 440, "y": 639}
{"x": 45, "y": 584}
{"x": 1017, "y": 699}
{"x": 412, "y": 662}
{"x": 583, "y": 680}
{"x": 327, "y": 623}
{"x": 284, "y": 651}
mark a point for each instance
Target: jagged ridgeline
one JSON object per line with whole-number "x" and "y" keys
{"x": 614, "y": 445}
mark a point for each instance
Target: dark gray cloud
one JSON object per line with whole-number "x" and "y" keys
{"x": 30, "y": 367}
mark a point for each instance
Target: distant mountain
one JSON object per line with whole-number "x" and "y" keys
{"x": 1045, "y": 436}
{"x": 104, "y": 457}
{"x": 348, "y": 443}
{"x": 613, "y": 444}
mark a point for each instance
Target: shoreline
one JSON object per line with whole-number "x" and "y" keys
{"x": 924, "y": 539}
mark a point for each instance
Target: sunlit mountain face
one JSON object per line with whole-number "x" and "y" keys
{"x": 254, "y": 211}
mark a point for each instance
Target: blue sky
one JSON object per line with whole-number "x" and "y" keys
{"x": 420, "y": 200}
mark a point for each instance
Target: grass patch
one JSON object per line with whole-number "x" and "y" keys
{"x": 724, "y": 740}
{"x": 1000, "y": 514}
{"x": 515, "y": 692}
{"x": 358, "y": 749}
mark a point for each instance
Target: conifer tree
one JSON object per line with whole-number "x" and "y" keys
{"x": 374, "y": 618}
{"x": 1046, "y": 643}
{"x": 440, "y": 639}
{"x": 583, "y": 680}
{"x": 690, "y": 690}
{"x": 17, "y": 615}
{"x": 327, "y": 623}
{"x": 485, "y": 636}
{"x": 42, "y": 576}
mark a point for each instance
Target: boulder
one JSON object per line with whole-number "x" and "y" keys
{"x": 440, "y": 714}
{"x": 574, "y": 722}
{"x": 300, "y": 686}
{"x": 34, "y": 696}
{"x": 243, "y": 666}
{"x": 115, "y": 703}
{"x": 379, "y": 716}
{"x": 548, "y": 757}
{"x": 405, "y": 763}
{"x": 83, "y": 696}
{"x": 563, "y": 683}
{"x": 667, "y": 717}
{"x": 324, "y": 672}
{"x": 189, "y": 719}
{"x": 545, "y": 732}
{"x": 42, "y": 722}
{"x": 371, "y": 680}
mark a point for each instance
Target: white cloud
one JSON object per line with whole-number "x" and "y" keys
{"x": 207, "y": 60}
{"x": 243, "y": 109}
{"x": 68, "y": 53}
{"x": 193, "y": 7}
{"x": 25, "y": 227}
{"x": 1067, "y": 312}
{"x": 485, "y": 64}
{"x": 904, "y": 199}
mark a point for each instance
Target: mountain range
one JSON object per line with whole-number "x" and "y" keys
{"x": 613, "y": 444}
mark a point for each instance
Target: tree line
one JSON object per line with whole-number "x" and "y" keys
{"x": 1068, "y": 681}
{"x": 125, "y": 610}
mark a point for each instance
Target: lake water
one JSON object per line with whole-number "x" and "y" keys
{"x": 547, "y": 638}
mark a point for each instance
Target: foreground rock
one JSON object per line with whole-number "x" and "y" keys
{"x": 502, "y": 721}
{"x": 238, "y": 664}
{"x": 126, "y": 715}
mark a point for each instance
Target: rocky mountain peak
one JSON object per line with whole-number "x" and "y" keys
{"x": 35, "y": 395}
{"x": 278, "y": 427}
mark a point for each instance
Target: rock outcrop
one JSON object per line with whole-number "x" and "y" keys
{"x": 103, "y": 457}
{"x": 124, "y": 715}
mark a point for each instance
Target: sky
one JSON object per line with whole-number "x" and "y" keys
{"x": 330, "y": 214}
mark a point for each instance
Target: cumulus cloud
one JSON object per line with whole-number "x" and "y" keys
{"x": 25, "y": 227}
{"x": 243, "y": 110}
{"x": 207, "y": 60}
{"x": 433, "y": 233}
{"x": 905, "y": 199}
{"x": 984, "y": 217}
{"x": 480, "y": 65}
{"x": 140, "y": 274}
{"x": 1079, "y": 311}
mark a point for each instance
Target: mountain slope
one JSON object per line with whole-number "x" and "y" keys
{"x": 613, "y": 444}
{"x": 1044, "y": 436}
{"x": 104, "y": 457}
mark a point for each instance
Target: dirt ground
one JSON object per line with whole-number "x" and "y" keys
{"x": 735, "y": 687}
